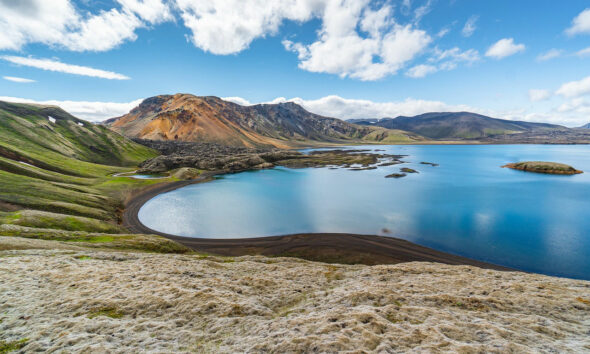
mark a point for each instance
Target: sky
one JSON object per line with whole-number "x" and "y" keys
{"x": 524, "y": 60}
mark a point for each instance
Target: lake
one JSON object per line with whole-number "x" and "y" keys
{"x": 467, "y": 205}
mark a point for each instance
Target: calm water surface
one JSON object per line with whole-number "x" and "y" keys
{"x": 467, "y": 206}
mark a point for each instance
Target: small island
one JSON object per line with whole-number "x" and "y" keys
{"x": 544, "y": 167}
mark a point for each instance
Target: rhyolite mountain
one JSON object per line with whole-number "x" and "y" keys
{"x": 186, "y": 117}
{"x": 458, "y": 125}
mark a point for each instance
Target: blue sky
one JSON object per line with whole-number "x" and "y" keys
{"x": 348, "y": 59}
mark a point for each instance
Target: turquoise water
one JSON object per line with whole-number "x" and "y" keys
{"x": 467, "y": 205}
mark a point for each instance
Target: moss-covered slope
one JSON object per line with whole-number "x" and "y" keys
{"x": 56, "y": 173}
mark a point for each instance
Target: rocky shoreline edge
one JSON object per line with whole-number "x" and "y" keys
{"x": 339, "y": 248}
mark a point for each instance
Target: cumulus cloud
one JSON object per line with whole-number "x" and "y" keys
{"x": 342, "y": 50}
{"x": 550, "y": 54}
{"x": 59, "y": 23}
{"x": 503, "y": 48}
{"x": 21, "y": 80}
{"x": 54, "y": 65}
{"x": 358, "y": 38}
{"x": 580, "y": 24}
{"x": 470, "y": 26}
{"x": 92, "y": 111}
{"x": 355, "y": 39}
{"x": 575, "y": 88}
{"x": 536, "y": 95}
{"x": 226, "y": 27}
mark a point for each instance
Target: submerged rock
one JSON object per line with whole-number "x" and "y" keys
{"x": 396, "y": 175}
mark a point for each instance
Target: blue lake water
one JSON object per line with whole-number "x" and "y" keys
{"x": 467, "y": 205}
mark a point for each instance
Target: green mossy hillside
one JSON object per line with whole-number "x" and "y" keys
{"x": 58, "y": 179}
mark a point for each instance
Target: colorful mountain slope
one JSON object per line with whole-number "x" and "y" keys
{"x": 186, "y": 117}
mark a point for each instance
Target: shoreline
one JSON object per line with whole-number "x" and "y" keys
{"x": 343, "y": 248}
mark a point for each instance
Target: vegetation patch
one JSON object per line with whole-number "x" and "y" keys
{"x": 7, "y": 347}
{"x": 83, "y": 258}
{"x": 111, "y": 312}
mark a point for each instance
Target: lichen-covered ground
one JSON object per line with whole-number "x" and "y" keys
{"x": 87, "y": 300}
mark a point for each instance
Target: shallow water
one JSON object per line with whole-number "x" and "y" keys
{"x": 467, "y": 205}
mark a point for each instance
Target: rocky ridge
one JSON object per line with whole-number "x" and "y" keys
{"x": 226, "y": 159}
{"x": 209, "y": 119}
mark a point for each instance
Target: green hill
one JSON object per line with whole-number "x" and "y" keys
{"x": 56, "y": 176}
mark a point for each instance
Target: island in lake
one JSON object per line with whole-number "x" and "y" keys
{"x": 544, "y": 167}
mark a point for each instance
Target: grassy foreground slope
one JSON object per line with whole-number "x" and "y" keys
{"x": 56, "y": 177}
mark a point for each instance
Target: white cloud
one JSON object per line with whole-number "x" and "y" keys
{"x": 503, "y": 48}
{"x": 550, "y": 54}
{"x": 421, "y": 70}
{"x": 227, "y": 27}
{"x": 355, "y": 39}
{"x": 341, "y": 50}
{"x": 583, "y": 52}
{"x": 536, "y": 95}
{"x": 422, "y": 11}
{"x": 92, "y": 111}
{"x": 18, "y": 79}
{"x": 238, "y": 100}
{"x": 358, "y": 38}
{"x": 470, "y": 26}
{"x": 575, "y": 88}
{"x": 152, "y": 11}
{"x": 443, "y": 60}
{"x": 58, "y": 23}
{"x": 53, "y": 65}
{"x": 443, "y": 32}
{"x": 580, "y": 24}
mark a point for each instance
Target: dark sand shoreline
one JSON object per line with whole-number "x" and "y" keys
{"x": 323, "y": 247}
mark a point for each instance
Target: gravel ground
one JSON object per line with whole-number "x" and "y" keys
{"x": 93, "y": 301}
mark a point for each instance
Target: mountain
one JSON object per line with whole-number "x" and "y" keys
{"x": 186, "y": 117}
{"x": 459, "y": 125}
{"x": 587, "y": 126}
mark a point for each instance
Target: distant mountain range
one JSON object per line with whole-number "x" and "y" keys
{"x": 457, "y": 125}
{"x": 587, "y": 126}
{"x": 187, "y": 117}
